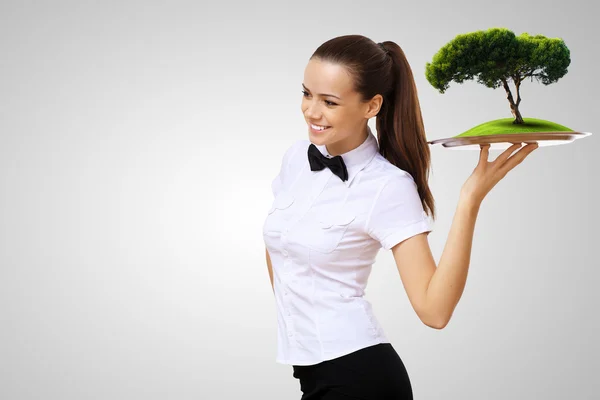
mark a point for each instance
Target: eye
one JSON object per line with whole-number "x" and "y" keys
{"x": 329, "y": 103}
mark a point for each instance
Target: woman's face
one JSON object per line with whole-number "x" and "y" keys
{"x": 329, "y": 101}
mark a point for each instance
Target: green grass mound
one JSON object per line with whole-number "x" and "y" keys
{"x": 506, "y": 126}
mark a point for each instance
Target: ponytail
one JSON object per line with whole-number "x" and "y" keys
{"x": 400, "y": 129}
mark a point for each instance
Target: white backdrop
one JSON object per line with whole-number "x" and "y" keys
{"x": 138, "y": 141}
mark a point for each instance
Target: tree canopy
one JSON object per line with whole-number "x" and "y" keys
{"x": 496, "y": 56}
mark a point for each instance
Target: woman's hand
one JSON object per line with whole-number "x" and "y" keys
{"x": 487, "y": 174}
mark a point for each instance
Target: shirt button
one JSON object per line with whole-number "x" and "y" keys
{"x": 285, "y": 253}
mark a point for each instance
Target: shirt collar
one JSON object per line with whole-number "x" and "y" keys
{"x": 358, "y": 158}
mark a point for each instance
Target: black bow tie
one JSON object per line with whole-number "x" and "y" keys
{"x": 318, "y": 162}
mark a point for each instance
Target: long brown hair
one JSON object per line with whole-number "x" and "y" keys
{"x": 383, "y": 69}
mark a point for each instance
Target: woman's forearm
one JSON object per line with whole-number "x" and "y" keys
{"x": 447, "y": 283}
{"x": 270, "y": 268}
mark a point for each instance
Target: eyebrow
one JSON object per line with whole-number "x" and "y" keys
{"x": 321, "y": 94}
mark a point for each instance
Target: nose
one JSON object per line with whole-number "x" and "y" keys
{"x": 311, "y": 111}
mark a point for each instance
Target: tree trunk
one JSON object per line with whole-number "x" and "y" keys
{"x": 517, "y": 114}
{"x": 514, "y": 107}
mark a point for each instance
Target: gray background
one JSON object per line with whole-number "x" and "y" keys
{"x": 138, "y": 141}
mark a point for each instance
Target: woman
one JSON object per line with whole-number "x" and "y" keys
{"x": 340, "y": 196}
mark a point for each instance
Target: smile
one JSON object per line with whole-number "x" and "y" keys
{"x": 317, "y": 128}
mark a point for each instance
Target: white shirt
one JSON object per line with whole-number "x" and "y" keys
{"x": 323, "y": 235}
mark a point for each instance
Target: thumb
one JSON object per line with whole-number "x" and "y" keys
{"x": 485, "y": 152}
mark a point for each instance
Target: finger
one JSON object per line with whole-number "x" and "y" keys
{"x": 517, "y": 158}
{"x": 484, "y": 153}
{"x": 504, "y": 156}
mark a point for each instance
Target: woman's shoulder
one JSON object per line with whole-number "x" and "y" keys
{"x": 300, "y": 144}
{"x": 384, "y": 171}
{"x": 297, "y": 147}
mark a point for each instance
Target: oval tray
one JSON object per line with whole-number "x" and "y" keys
{"x": 504, "y": 141}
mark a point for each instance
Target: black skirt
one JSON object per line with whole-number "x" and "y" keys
{"x": 375, "y": 372}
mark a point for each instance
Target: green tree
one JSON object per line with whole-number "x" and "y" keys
{"x": 496, "y": 56}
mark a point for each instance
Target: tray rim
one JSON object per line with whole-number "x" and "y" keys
{"x": 524, "y": 137}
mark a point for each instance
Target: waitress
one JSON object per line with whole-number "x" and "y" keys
{"x": 340, "y": 196}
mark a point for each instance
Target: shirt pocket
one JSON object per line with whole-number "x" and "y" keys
{"x": 279, "y": 214}
{"x": 329, "y": 231}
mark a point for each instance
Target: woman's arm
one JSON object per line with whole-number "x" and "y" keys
{"x": 448, "y": 282}
{"x": 434, "y": 291}
{"x": 270, "y": 268}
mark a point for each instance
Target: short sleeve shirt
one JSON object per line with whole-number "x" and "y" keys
{"x": 323, "y": 235}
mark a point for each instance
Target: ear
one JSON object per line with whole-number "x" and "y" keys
{"x": 373, "y": 106}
